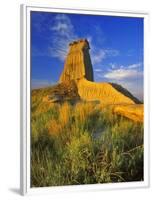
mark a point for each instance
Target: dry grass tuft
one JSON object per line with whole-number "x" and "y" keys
{"x": 54, "y": 127}
{"x": 83, "y": 110}
{"x": 64, "y": 114}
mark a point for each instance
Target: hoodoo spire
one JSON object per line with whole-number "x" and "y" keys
{"x": 78, "y": 63}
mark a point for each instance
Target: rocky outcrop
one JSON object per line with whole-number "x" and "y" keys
{"x": 78, "y": 68}
{"x": 78, "y": 63}
{"x": 65, "y": 91}
{"x": 104, "y": 92}
{"x": 134, "y": 112}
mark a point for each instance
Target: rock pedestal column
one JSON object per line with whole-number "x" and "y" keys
{"x": 78, "y": 63}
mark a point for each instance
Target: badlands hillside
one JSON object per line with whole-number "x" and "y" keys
{"x": 77, "y": 83}
{"x": 83, "y": 132}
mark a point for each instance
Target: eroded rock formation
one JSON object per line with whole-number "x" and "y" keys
{"x": 78, "y": 67}
{"x": 76, "y": 83}
{"x": 64, "y": 91}
{"x": 104, "y": 92}
{"x": 78, "y": 63}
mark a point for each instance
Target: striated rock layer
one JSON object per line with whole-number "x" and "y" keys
{"x": 76, "y": 83}
{"x": 78, "y": 68}
{"x": 134, "y": 112}
{"x": 78, "y": 63}
{"x": 106, "y": 93}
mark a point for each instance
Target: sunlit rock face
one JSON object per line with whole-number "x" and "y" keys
{"x": 78, "y": 68}
{"x": 103, "y": 92}
{"x": 76, "y": 83}
{"x": 78, "y": 63}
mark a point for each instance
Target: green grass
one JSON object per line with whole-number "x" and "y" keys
{"x": 82, "y": 144}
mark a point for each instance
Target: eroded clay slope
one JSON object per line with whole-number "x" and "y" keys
{"x": 133, "y": 112}
{"x": 104, "y": 92}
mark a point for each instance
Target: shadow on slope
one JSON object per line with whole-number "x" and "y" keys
{"x": 125, "y": 92}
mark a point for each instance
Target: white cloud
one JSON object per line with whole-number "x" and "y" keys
{"x": 124, "y": 72}
{"x": 62, "y": 26}
{"x": 120, "y": 74}
{"x": 136, "y": 65}
{"x": 98, "y": 70}
{"x": 59, "y": 48}
{"x": 113, "y": 65}
{"x": 63, "y": 34}
{"x": 98, "y": 55}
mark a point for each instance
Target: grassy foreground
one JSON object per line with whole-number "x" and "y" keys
{"x": 83, "y": 143}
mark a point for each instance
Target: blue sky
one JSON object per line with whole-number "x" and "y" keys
{"x": 116, "y": 47}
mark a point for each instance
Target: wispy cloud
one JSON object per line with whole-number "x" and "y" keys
{"x": 136, "y": 65}
{"x": 99, "y": 54}
{"x": 62, "y": 25}
{"x": 63, "y": 32}
{"x": 120, "y": 74}
{"x": 124, "y": 72}
{"x": 98, "y": 57}
{"x": 112, "y": 65}
{"x": 98, "y": 70}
